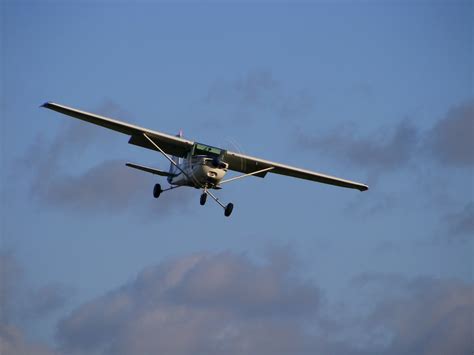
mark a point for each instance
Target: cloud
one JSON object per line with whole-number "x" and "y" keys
{"x": 451, "y": 140}
{"x": 21, "y": 304}
{"x": 254, "y": 89}
{"x": 214, "y": 303}
{"x": 106, "y": 186}
{"x": 45, "y": 300}
{"x": 46, "y": 157}
{"x": 461, "y": 223}
{"x": 299, "y": 104}
{"x": 200, "y": 304}
{"x": 227, "y": 303}
{"x": 257, "y": 91}
{"x": 72, "y": 139}
{"x": 382, "y": 151}
{"x": 14, "y": 342}
{"x": 10, "y": 275}
{"x": 431, "y": 316}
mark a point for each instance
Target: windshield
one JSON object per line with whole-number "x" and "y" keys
{"x": 202, "y": 149}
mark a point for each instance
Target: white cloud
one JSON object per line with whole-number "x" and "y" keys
{"x": 202, "y": 304}
{"x": 227, "y": 303}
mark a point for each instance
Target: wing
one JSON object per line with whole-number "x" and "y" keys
{"x": 180, "y": 147}
{"x": 170, "y": 144}
{"x": 247, "y": 164}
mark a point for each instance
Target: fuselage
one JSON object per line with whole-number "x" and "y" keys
{"x": 199, "y": 171}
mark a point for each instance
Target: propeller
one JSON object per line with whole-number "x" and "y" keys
{"x": 218, "y": 163}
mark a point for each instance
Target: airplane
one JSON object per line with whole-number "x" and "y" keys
{"x": 195, "y": 164}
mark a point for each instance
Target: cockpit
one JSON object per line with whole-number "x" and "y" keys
{"x": 203, "y": 149}
{"x": 208, "y": 155}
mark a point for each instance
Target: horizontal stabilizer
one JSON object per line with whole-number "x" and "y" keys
{"x": 149, "y": 170}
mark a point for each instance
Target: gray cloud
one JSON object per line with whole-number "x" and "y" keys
{"x": 111, "y": 186}
{"x": 72, "y": 140}
{"x": 448, "y": 143}
{"x": 430, "y": 316}
{"x": 11, "y": 275}
{"x": 19, "y": 302}
{"x": 251, "y": 290}
{"x": 45, "y": 300}
{"x": 256, "y": 88}
{"x": 107, "y": 186}
{"x": 14, "y": 342}
{"x": 46, "y": 157}
{"x": 201, "y": 304}
{"x": 382, "y": 151}
{"x": 461, "y": 223}
{"x": 227, "y": 303}
{"x": 259, "y": 91}
{"x": 20, "y": 305}
{"x": 293, "y": 106}
{"x": 451, "y": 140}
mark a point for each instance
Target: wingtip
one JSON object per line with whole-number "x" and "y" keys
{"x": 364, "y": 188}
{"x": 46, "y": 104}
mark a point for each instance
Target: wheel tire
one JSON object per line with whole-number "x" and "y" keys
{"x": 203, "y": 199}
{"x": 228, "y": 209}
{"x": 157, "y": 191}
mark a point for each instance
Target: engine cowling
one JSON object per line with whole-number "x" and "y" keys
{"x": 218, "y": 163}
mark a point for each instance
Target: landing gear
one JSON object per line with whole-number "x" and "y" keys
{"x": 228, "y": 209}
{"x": 203, "y": 199}
{"x": 157, "y": 191}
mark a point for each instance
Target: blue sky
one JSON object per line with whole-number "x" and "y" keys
{"x": 374, "y": 92}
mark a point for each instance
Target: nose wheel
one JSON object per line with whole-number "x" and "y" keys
{"x": 203, "y": 199}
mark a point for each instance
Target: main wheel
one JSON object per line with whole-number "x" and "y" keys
{"x": 203, "y": 199}
{"x": 157, "y": 191}
{"x": 228, "y": 209}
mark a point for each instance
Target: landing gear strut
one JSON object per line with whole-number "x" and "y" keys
{"x": 227, "y": 208}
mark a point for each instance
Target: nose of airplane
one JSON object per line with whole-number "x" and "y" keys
{"x": 217, "y": 163}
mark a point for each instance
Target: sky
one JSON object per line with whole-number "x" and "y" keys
{"x": 375, "y": 92}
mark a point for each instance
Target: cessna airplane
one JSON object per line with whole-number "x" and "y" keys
{"x": 198, "y": 165}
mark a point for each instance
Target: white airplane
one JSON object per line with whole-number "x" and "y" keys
{"x": 198, "y": 165}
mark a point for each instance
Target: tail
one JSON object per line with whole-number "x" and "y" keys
{"x": 177, "y": 160}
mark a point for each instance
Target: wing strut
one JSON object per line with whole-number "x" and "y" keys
{"x": 245, "y": 175}
{"x": 166, "y": 155}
